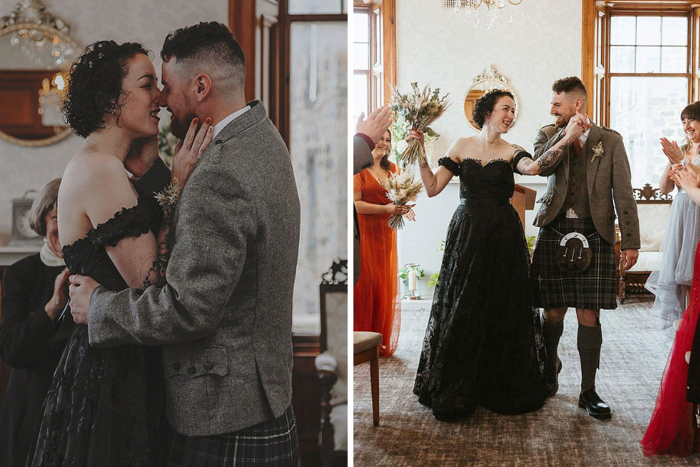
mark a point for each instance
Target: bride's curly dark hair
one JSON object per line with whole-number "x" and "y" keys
{"x": 95, "y": 84}
{"x": 485, "y": 104}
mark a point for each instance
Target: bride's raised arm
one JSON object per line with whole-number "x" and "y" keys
{"x": 434, "y": 183}
{"x": 527, "y": 166}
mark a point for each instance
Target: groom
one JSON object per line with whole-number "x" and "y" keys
{"x": 581, "y": 188}
{"x": 224, "y": 317}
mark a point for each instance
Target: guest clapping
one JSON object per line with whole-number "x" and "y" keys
{"x": 671, "y": 283}
{"x": 34, "y": 293}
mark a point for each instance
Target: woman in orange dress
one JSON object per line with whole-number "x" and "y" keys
{"x": 377, "y": 300}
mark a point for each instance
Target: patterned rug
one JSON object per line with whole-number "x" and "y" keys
{"x": 560, "y": 434}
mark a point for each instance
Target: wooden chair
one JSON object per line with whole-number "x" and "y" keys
{"x": 366, "y": 349}
{"x": 332, "y": 364}
{"x": 653, "y": 207}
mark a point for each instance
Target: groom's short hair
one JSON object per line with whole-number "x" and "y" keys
{"x": 571, "y": 85}
{"x": 209, "y": 48}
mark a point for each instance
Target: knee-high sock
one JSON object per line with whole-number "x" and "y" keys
{"x": 590, "y": 339}
{"x": 552, "y": 333}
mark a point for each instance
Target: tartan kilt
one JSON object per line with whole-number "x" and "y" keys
{"x": 273, "y": 442}
{"x": 593, "y": 289}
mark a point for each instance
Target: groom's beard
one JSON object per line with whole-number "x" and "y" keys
{"x": 179, "y": 127}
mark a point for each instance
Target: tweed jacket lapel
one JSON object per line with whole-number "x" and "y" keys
{"x": 593, "y": 138}
{"x": 242, "y": 122}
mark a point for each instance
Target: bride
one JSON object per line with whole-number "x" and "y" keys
{"x": 106, "y": 406}
{"x": 483, "y": 345}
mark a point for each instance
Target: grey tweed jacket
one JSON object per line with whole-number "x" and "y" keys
{"x": 608, "y": 179}
{"x": 225, "y": 314}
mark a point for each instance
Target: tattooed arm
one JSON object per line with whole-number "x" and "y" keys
{"x": 548, "y": 159}
{"x": 187, "y": 153}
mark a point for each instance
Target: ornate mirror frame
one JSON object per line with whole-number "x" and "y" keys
{"x": 488, "y": 80}
{"x": 32, "y": 15}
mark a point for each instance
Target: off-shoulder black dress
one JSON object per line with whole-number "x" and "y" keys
{"x": 483, "y": 345}
{"x": 105, "y": 407}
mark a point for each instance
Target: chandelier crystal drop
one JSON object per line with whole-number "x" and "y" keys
{"x": 32, "y": 31}
{"x": 493, "y": 9}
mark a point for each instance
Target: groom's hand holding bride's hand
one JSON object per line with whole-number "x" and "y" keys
{"x": 80, "y": 289}
{"x": 577, "y": 126}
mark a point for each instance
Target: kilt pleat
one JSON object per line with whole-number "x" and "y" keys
{"x": 273, "y": 442}
{"x": 594, "y": 288}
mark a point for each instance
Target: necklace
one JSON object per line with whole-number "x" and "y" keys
{"x": 374, "y": 171}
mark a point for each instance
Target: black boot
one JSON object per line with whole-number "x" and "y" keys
{"x": 594, "y": 405}
{"x": 590, "y": 340}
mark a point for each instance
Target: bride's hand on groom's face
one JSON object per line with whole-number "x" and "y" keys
{"x": 142, "y": 156}
{"x": 190, "y": 149}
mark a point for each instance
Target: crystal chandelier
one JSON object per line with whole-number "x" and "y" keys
{"x": 33, "y": 30}
{"x": 493, "y": 9}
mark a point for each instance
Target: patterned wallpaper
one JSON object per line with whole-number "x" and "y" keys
{"x": 91, "y": 20}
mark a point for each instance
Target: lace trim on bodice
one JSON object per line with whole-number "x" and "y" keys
{"x": 454, "y": 167}
{"x": 129, "y": 222}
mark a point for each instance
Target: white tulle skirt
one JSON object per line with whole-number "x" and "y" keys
{"x": 677, "y": 254}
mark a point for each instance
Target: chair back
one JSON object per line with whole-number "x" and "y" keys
{"x": 334, "y": 324}
{"x": 653, "y": 208}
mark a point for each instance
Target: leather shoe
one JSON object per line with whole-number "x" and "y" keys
{"x": 552, "y": 385}
{"x": 594, "y": 405}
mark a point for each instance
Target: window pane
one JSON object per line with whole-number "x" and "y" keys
{"x": 622, "y": 59}
{"x": 300, "y": 7}
{"x": 361, "y": 95}
{"x": 648, "y": 30}
{"x": 674, "y": 30}
{"x": 674, "y": 60}
{"x": 318, "y": 93}
{"x": 643, "y": 109}
{"x": 361, "y": 56}
{"x": 622, "y": 30}
{"x": 361, "y": 27}
{"x": 648, "y": 60}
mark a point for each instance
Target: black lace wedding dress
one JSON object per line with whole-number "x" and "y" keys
{"x": 483, "y": 345}
{"x": 105, "y": 407}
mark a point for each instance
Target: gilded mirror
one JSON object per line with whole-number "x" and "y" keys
{"x": 36, "y": 53}
{"x": 488, "y": 80}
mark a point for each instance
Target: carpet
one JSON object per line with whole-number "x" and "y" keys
{"x": 560, "y": 434}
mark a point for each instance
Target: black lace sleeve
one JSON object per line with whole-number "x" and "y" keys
{"x": 129, "y": 222}
{"x": 449, "y": 164}
{"x": 519, "y": 154}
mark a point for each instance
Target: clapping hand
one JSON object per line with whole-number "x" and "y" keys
{"x": 672, "y": 151}
{"x": 376, "y": 123}
{"x": 60, "y": 295}
{"x": 685, "y": 178}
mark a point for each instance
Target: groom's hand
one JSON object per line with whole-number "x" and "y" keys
{"x": 80, "y": 288}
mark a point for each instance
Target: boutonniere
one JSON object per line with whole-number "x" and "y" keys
{"x": 597, "y": 151}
